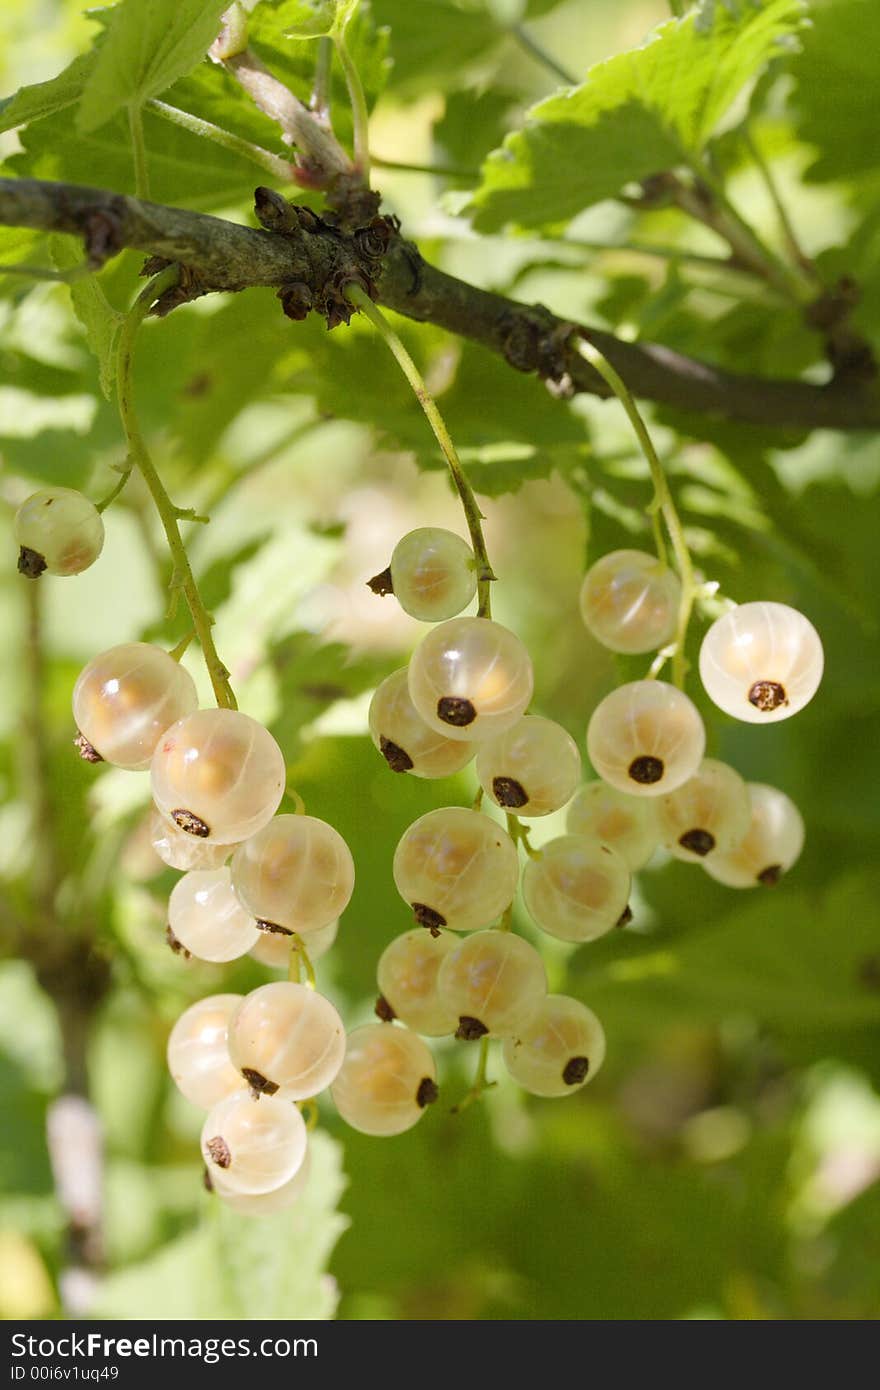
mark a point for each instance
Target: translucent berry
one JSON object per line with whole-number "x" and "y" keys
{"x": 407, "y": 978}
{"x": 559, "y": 1050}
{"x": 207, "y": 918}
{"x": 646, "y": 738}
{"x": 532, "y": 769}
{"x": 287, "y": 1038}
{"x": 404, "y": 739}
{"x": 623, "y": 822}
{"x": 493, "y": 982}
{"x": 182, "y": 851}
{"x": 707, "y": 815}
{"x": 387, "y": 1079}
{"x": 264, "y": 1203}
{"x": 770, "y": 846}
{"x": 629, "y": 601}
{"x": 273, "y": 948}
{"x": 470, "y": 678}
{"x": 456, "y": 868}
{"x": 59, "y": 531}
{"x": 433, "y": 574}
{"x": 126, "y": 698}
{"x": 198, "y": 1052}
{"x": 218, "y": 774}
{"x": 296, "y": 874}
{"x": 578, "y": 890}
{"x": 761, "y": 662}
{"x": 253, "y": 1145}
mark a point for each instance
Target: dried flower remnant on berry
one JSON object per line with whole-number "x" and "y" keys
{"x": 576, "y": 1071}
{"x": 219, "y": 1151}
{"x": 258, "y": 1084}
{"x": 428, "y": 917}
{"x": 646, "y": 769}
{"x": 509, "y": 792}
{"x": 397, "y": 758}
{"x": 190, "y": 823}
{"x": 767, "y": 696}
{"x": 700, "y": 842}
{"x": 86, "y": 751}
{"x": 456, "y": 711}
{"x": 384, "y": 1010}
{"x": 177, "y": 946}
{"x": 470, "y": 1029}
{"x": 427, "y": 1093}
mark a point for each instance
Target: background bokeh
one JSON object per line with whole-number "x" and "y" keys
{"x": 724, "y": 1164}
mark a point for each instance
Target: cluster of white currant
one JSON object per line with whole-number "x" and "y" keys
{"x": 465, "y": 695}
{"x": 218, "y": 776}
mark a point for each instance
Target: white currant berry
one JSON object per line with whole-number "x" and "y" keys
{"x": 470, "y": 678}
{"x": 493, "y": 982}
{"x": 387, "y": 1079}
{"x": 770, "y": 846}
{"x": 296, "y": 874}
{"x": 559, "y": 1050}
{"x": 126, "y": 698}
{"x": 456, "y": 868}
{"x": 59, "y": 531}
{"x": 533, "y": 768}
{"x": 578, "y": 889}
{"x": 198, "y": 1051}
{"x": 206, "y": 917}
{"x": 253, "y": 1145}
{"x": 273, "y": 948}
{"x": 761, "y": 662}
{"x": 707, "y": 815}
{"x": 182, "y": 851}
{"x": 404, "y": 739}
{"x": 407, "y": 978}
{"x": 433, "y": 574}
{"x": 264, "y": 1203}
{"x": 629, "y": 601}
{"x": 287, "y": 1038}
{"x": 646, "y": 738}
{"x": 623, "y": 822}
{"x": 218, "y": 774}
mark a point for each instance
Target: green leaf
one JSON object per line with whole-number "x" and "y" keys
{"x": 306, "y": 19}
{"x": 435, "y": 39}
{"x": 147, "y": 48}
{"x": 835, "y": 92}
{"x": 45, "y": 98}
{"x": 244, "y": 1267}
{"x": 313, "y": 675}
{"x": 634, "y": 115}
{"x": 99, "y": 319}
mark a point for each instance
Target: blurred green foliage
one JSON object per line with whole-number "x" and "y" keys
{"x": 725, "y": 1162}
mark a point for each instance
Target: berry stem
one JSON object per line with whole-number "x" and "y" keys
{"x": 662, "y": 502}
{"x": 114, "y": 493}
{"x": 139, "y": 455}
{"x": 359, "y": 112}
{"x": 481, "y": 1083}
{"x": 273, "y": 163}
{"x": 473, "y": 515}
{"x": 300, "y": 963}
{"x": 177, "y": 652}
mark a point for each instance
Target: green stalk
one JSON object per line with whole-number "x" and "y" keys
{"x": 300, "y": 963}
{"x": 473, "y": 515}
{"x": 359, "y": 112}
{"x": 169, "y": 515}
{"x": 481, "y": 1082}
{"x": 662, "y": 502}
{"x": 273, "y": 163}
